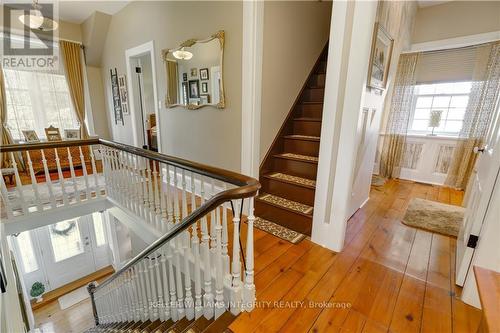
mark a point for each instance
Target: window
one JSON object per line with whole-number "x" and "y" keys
{"x": 65, "y": 239}
{"x": 29, "y": 261}
{"x": 449, "y": 98}
{"x": 100, "y": 237}
{"x": 36, "y": 100}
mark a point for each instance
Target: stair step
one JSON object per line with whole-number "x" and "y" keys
{"x": 298, "y": 157}
{"x": 287, "y": 218}
{"x": 180, "y": 326}
{"x": 292, "y": 179}
{"x": 286, "y": 204}
{"x": 221, "y": 324}
{"x": 302, "y": 137}
{"x": 307, "y": 127}
{"x": 307, "y": 119}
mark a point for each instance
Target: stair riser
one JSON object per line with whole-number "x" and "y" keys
{"x": 317, "y": 80}
{"x": 295, "y": 168}
{"x": 312, "y": 128}
{"x": 290, "y": 191}
{"x": 284, "y": 217}
{"x": 313, "y": 95}
{"x": 311, "y": 110}
{"x": 302, "y": 147}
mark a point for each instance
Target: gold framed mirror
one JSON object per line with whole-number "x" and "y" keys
{"x": 195, "y": 73}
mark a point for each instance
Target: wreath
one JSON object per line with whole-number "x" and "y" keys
{"x": 63, "y": 228}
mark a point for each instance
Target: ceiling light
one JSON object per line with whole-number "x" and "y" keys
{"x": 182, "y": 54}
{"x": 36, "y": 20}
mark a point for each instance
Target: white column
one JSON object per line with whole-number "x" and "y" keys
{"x": 253, "y": 35}
{"x": 348, "y": 55}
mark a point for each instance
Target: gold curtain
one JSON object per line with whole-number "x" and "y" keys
{"x": 6, "y": 136}
{"x": 403, "y": 96}
{"x": 70, "y": 52}
{"x": 483, "y": 100}
{"x": 172, "y": 81}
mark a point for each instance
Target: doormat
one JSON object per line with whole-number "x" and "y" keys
{"x": 74, "y": 297}
{"x": 434, "y": 216}
{"x": 378, "y": 180}
{"x": 279, "y": 231}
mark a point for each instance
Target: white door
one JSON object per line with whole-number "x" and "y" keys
{"x": 480, "y": 190}
{"x": 66, "y": 251}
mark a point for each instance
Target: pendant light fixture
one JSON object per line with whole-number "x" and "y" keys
{"x": 36, "y": 20}
{"x": 182, "y": 54}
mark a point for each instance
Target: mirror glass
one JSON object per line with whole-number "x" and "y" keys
{"x": 194, "y": 73}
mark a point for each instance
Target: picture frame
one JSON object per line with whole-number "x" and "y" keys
{"x": 205, "y": 99}
{"x": 184, "y": 76}
{"x": 194, "y": 89}
{"x": 122, "y": 87}
{"x": 115, "y": 91}
{"x": 204, "y": 73}
{"x": 380, "y": 58}
{"x": 204, "y": 87}
{"x": 30, "y": 136}
{"x": 194, "y": 72}
{"x": 185, "y": 93}
{"x": 72, "y": 134}
{"x": 53, "y": 133}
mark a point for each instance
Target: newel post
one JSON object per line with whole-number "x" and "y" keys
{"x": 91, "y": 289}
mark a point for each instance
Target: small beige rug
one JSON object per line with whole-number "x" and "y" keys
{"x": 76, "y": 296}
{"x": 277, "y": 230}
{"x": 378, "y": 181}
{"x": 434, "y": 216}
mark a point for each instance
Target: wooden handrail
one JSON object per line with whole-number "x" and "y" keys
{"x": 47, "y": 145}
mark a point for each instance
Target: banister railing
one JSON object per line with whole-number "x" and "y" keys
{"x": 190, "y": 203}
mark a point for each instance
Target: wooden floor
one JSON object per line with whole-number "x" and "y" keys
{"x": 389, "y": 277}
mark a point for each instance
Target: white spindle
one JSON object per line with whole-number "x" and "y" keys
{"x": 172, "y": 283}
{"x": 189, "y": 303}
{"x": 5, "y": 197}
{"x": 249, "y": 287}
{"x": 34, "y": 183}
{"x": 178, "y": 278}
{"x": 208, "y": 297}
{"x": 76, "y": 193}
{"x": 48, "y": 181}
{"x": 236, "y": 264}
{"x": 154, "y": 291}
{"x": 156, "y": 190}
{"x": 61, "y": 178}
{"x": 19, "y": 185}
{"x": 165, "y": 293}
{"x": 85, "y": 176}
{"x": 225, "y": 241}
{"x": 94, "y": 171}
{"x": 220, "y": 307}
{"x": 195, "y": 241}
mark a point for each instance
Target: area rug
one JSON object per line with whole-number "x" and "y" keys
{"x": 434, "y": 216}
{"x": 76, "y": 296}
{"x": 378, "y": 181}
{"x": 277, "y": 230}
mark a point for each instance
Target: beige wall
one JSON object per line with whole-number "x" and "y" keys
{"x": 294, "y": 36}
{"x": 97, "y": 102}
{"x": 207, "y": 135}
{"x": 456, "y": 19}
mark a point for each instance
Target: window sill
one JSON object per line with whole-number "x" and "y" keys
{"x": 431, "y": 137}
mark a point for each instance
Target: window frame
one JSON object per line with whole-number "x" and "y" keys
{"x": 410, "y": 131}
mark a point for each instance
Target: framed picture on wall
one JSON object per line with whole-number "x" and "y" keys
{"x": 53, "y": 133}
{"x": 204, "y": 87}
{"x": 194, "y": 88}
{"x": 194, "y": 72}
{"x": 185, "y": 93}
{"x": 115, "y": 91}
{"x": 122, "y": 86}
{"x": 30, "y": 136}
{"x": 72, "y": 134}
{"x": 380, "y": 58}
{"x": 204, "y": 73}
{"x": 184, "y": 76}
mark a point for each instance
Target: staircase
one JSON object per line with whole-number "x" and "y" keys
{"x": 200, "y": 325}
{"x": 288, "y": 172}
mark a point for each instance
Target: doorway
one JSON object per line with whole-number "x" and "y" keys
{"x": 141, "y": 72}
{"x": 63, "y": 252}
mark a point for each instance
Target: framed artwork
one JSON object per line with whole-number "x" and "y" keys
{"x": 204, "y": 87}
{"x": 204, "y": 73}
{"x": 122, "y": 86}
{"x": 380, "y": 58}
{"x": 115, "y": 91}
{"x": 30, "y": 136}
{"x": 185, "y": 93}
{"x": 194, "y": 88}
{"x": 72, "y": 134}
{"x": 53, "y": 134}
{"x": 205, "y": 99}
{"x": 184, "y": 76}
{"x": 194, "y": 72}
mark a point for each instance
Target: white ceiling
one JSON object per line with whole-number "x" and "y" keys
{"x": 79, "y": 11}
{"x": 428, "y": 3}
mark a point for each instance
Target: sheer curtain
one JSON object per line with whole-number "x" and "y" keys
{"x": 483, "y": 100}
{"x": 399, "y": 116}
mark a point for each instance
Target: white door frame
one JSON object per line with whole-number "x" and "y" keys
{"x": 146, "y": 48}
{"x": 251, "y": 85}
